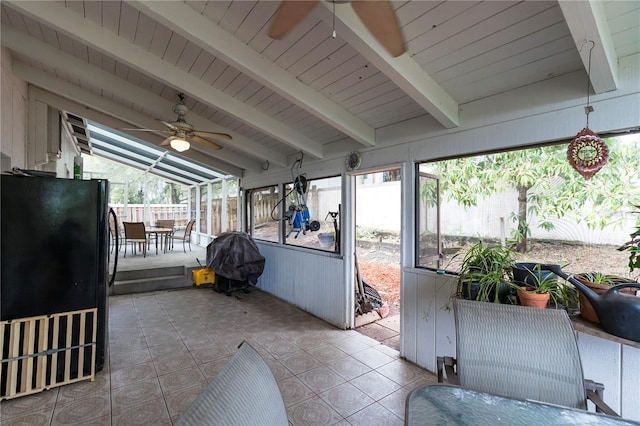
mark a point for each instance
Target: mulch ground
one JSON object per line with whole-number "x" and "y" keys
{"x": 386, "y": 280}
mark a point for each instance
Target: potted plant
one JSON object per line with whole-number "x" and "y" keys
{"x": 539, "y": 288}
{"x": 599, "y": 283}
{"x": 485, "y": 273}
{"x": 529, "y": 274}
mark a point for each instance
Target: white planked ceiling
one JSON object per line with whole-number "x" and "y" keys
{"x": 279, "y": 97}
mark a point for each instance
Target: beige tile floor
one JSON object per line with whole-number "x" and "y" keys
{"x": 166, "y": 346}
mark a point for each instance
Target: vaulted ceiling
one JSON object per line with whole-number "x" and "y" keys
{"x": 122, "y": 63}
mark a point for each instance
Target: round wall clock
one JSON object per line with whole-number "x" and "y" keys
{"x": 353, "y": 161}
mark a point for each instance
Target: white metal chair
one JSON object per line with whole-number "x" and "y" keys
{"x": 519, "y": 352}
{"x": 243, "y": 393}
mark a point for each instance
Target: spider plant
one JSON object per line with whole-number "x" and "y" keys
{"x": 487, "y": 268}
{"x": 544, "y": 283}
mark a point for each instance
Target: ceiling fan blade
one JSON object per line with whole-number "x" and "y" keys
{"x": 205, "y": 142}
{"x": 289, "y": 14}
{"x": 167, "y": 141}
{"x": 169, "y": 125}
{"x": 212, "y": 135}
{"x": 381, "y": 21}
{"x": 145, "y": 130}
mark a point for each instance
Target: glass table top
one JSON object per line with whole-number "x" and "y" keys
{"x": 451, "y": 405}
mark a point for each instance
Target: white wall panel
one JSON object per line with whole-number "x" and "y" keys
{"x": 311, "y": 280}
{"x": 426, "y": 324}
{"x": 602, "y": 362}
{"x": 445, "y": 340}
{"x": 13, "y": 126}
{"x": 429, "y": 329}
{"x": 630, "y": 383}
{"x": 408, "y": 310}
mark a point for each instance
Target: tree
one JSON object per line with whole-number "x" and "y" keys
{"x": 547, "y": 185}
{"x": 139, "y": 183}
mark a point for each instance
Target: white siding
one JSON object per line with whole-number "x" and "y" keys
{"x": 14, "y": 115}
{"x": 311, "y": 280}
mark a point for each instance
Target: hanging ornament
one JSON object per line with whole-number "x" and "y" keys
{"x": 587, "y": 152}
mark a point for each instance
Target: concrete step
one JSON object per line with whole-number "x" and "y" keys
{"x": 150, "y": 284}
{"x": 160, "y": 272}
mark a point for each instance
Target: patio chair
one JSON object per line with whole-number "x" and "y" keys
{"x": 185, "y": 236}
{"x": 169, "y": 224}
{"x": 243, "y": 393}
{"x": 135, "y": 233}
{"x": 519, "y": 352}
{"x": 114, "y": 234}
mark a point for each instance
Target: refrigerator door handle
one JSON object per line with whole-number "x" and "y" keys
{"x": 117, "y": 248}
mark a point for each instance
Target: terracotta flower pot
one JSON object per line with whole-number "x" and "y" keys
{"x": 535, "y": 300}
{"x": 586, "y": 308}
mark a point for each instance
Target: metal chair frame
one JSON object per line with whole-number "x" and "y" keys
{"x": 519, "y": 352}
{"x": 135, "y": 233}
{"x": 245, "y": 392}
{"x": 186, "y": 237}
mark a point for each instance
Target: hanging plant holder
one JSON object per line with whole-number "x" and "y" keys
{"x": 587, "y": 153}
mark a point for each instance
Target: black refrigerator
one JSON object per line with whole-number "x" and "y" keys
{"x": 55, "y": 248}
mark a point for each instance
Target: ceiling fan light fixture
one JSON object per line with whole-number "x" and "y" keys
{"x": 179, "y": 144}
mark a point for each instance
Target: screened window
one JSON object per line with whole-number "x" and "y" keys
{"x": 311, "y": 213}
{"x": 428, "y": 219}
{"x": 533, "y": 202}
{"x": 264, "y": 213}
{"x": 192, "y": 205}
{"x": 204, "y": 196}
{"x": 216, "y": 208}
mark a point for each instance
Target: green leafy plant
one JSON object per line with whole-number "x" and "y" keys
{"x": 487, "y": 266}
{"x": 633, "y": 245}
{"x": 601, "y": 278}
{"x": 543, "y": 283}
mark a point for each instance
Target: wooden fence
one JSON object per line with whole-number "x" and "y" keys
{"x": 180, "y": 214}
{"x": 135, "y": 213}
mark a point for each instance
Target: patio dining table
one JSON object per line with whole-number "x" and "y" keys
{"x": 165, "y": 233}
{"x": 441, "y": 404}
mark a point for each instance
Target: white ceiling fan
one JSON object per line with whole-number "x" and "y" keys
{"x": 378, "y": 16}
{"x": 182, "y": 134}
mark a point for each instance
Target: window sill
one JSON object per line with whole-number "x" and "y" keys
{"x": 587, "y": 327}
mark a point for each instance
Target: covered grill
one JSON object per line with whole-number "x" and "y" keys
{"x": 236, "y": 260}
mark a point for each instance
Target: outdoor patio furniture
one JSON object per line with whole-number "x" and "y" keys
{"x": 162, "y": 234}
{"x": 167, "y": 224}
{"x": 445, "y": 404}
{"x": 184, "y": 236}
{"x": 135, "y": 233}
{"x": 519, "y": 352}
{"x": 243, "y": 393}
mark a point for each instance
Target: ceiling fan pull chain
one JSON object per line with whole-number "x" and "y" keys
{"x": 334, "y": 19}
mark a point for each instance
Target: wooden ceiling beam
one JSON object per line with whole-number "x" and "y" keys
{"x": 587, "y": 22}
{"x": 68, "y": 97}
{"x": 77, "y": 27}
{"x": 402, "y": 70}
{"x": 220, "y": 43}
{"x": 45, "y": 53}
